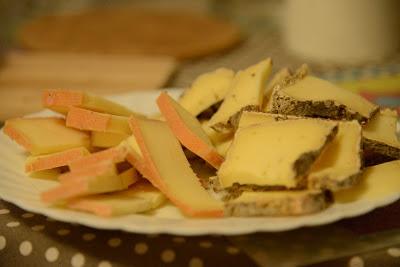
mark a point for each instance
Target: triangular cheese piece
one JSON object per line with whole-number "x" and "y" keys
{"x": 169, "y": 169}
{"x": 188, "y": 130}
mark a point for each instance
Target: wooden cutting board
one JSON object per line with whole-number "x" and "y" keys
{"x": 25, "y": 74}
{"x": 180, "y": 34}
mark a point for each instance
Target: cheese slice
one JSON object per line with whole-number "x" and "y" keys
{"x": 169, "y": 169}
{"x": 61, "y": 100}
{"x": 135, "y": 157}
{"x": 54, "y": 160}
{"x": 377, "y": 183}
{"x": 277, "y": 203}
{"x": 84, "y": 119}
{"x": 107, "y": 181}
{"x": 114, "y": 154}
{"x": 380, "y": 134}
{"x": 50, "y": 174}
{"x": 188, "y": 130}
{"x": 276, "y": 79}
{"x": 246, "y": 93}
{"x": 275, "y": 154}
{"x": 224, "y": 146}
{"x": 206, "y": 90}
{"x": 339, "y": 165}
{"x": 315, "y": 97}
{"x": 45, "y": 135}
{"x": 107, "y": 139}
{"x": 139, "y": 198}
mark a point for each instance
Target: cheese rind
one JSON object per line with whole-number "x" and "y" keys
{"x": 377, "y": 182}
{"x": 61, "y": 100}
{"x": 54, "y": 160}
{"x": 170, "y": 171}
{"x": 45, "y": 135}
{"x": 246, "y": 93}
{"x": 314, "y": 97}
{"x": 277, "y": 203}
{"x": 275, "y": 154}
{"x": 207, "y": 90}
{"x": 379, "y": 134}
{"x": 141, "y": 197}
{"x": 84, "y": 119}
{"x": 188, "y": 130}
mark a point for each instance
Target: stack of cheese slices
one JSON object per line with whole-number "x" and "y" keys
{"x": 234, "y": 144}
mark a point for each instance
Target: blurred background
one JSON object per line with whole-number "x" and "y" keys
{"x": 118, "y": 46}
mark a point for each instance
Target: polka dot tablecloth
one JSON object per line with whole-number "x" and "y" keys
{"x": 28, "y": 239}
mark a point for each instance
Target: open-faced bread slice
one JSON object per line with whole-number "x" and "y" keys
{"x": 277, "y": 203}
{"x": 54, "y": 160}
{"x": 45, "y": 135}
{"x": 60, "y": 101}
{"x": 169, "y": 169}
{"x": 207, "y": 90}
{"x": 314, "y": 97}
{"x": 188, "y": 130}
{"x": 141, "y": 197}
{"x": 275, "y": 154}
{"x": 246, "y": 93}
{"x": 379, "y": 135}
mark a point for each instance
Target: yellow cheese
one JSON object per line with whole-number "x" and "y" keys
{"x": 106, "y": 139}
{"x": 378, "y": 182}
{"x": 275, "y": 154}
{"x": 312, "y": 96}
{"x": 276, "y": 79}
{"x": 141, "y": 197}
{"x": 45, "y": 135}
{"x": 247, "y": 91}
{"x": 252, "y": 118}
{"x": 224, "y": 146}
{"x": 207, "y": 90}
{"x": 50, "y": 174}
{"x": 170, "y": 171}
{"x": 213, "y": 135}
{"x": 382, "y": 128}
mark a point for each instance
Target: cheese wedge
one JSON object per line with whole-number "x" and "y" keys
{"x": 380, "y": 134}
{"x": 378, "y": 182}
{"x": 169, "y": 169}
{"x": 275, "y": 154}
{"x": 188, "y": 130}
{"x": 107, "y": 181}
{"x": 206, "y": 90}
{"x": 276, "y": 79}
{"x": 107, "y": 139}
{"x": 246, "y": 93}
{"x": 45, "y": 135}
{"x": 277, "y": 203}
{"x": 315, "y": 97}
{"x": 139, "y": 198}
{"x": 114, "y": 154}
{"x": 339, "y": 165}
{"x": 54, "y": 160}
{"x": 84, "y": 119}
{"x": 60, "y": 101}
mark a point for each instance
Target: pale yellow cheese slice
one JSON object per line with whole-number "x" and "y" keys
{"x": 107, "y": 139}
{"x": 378, "y": 182}
{"x": 206, "y": 90}
{"x": 247, "y": 90}
{"x": 314, "y": 89}
{"x": 275, "y": 154}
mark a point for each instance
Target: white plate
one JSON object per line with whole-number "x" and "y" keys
{"x": 23, "y": 191}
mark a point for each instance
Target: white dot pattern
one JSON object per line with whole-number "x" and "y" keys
{"x": 114, "y": 242}
{"x": 141, "y": 248}
{"x": 394, "y": 252}
{"x": 13, "y": 224}
{"x": 104, "y": 264}
{"x": 168, "y": 256}
{"x": 4, "y": 211}
{"x": 356, "y": 262}
{"x": 88, "y": 236}
{"x": 78, "y": 260}
{"x": 3, "y": 242}
{"x": 232, "y": 250}
{"x": 195, "y": 262}
{"x": 25, "y": 248}
{"x": 52, "y": 254}
{"x": 205, "y": 244}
